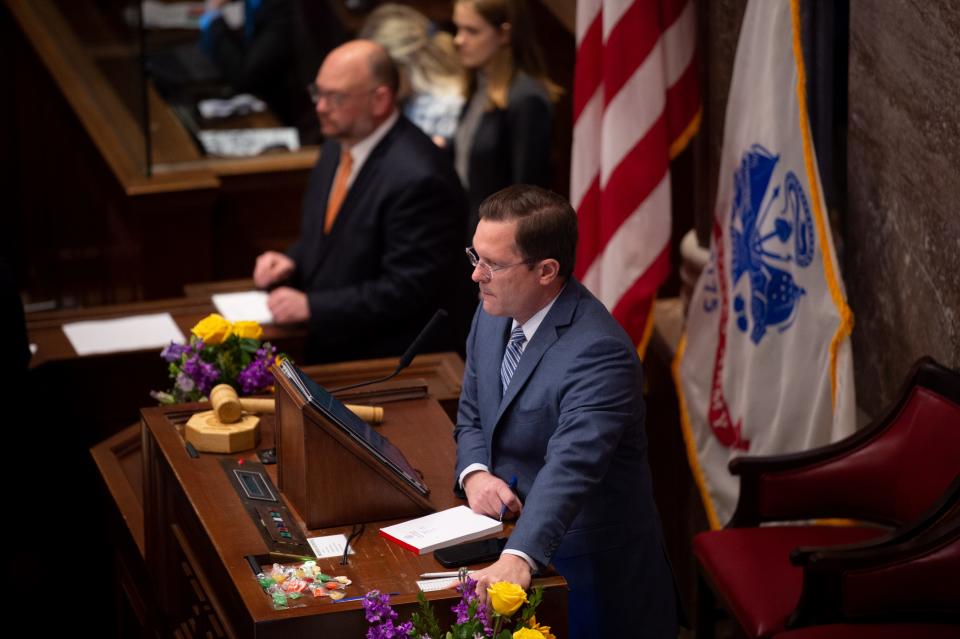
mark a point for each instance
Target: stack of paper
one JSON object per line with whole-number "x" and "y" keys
{"x": 441, "y": 529}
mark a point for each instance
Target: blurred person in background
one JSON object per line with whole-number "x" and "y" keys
{"x": 431, "y": 79}
{"x": 383, "y": 216}
{"x": 261, "y": 58}
{"x": 503, "y": 137}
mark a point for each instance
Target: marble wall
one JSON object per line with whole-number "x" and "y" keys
{"x": 902, "y": 224}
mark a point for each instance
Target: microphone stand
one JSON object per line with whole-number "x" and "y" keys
{"x": 407, "y": 357}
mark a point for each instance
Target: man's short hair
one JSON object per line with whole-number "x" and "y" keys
{"x": 384, "y": 70}
{"x": 546, "y": 223}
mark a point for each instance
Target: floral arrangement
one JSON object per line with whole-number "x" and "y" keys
{"x": 473, "y": 620}
{"x": 219, "y": 352}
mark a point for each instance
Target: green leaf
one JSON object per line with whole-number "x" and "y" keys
{"x": 536, "y": 596}
{"x": 249, "y": 345}
{"x": 425, "y": 623}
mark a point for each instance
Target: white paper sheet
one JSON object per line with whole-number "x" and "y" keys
{"x": 244, "y": 306}
{"x": 329, "y": 546}
{"x": 241, "y": 104}
{"x": 433, "y": 585}
{"x": 139, "y": 332}
{"x": 241, "y": 143}
{"x": 185, "y": 15}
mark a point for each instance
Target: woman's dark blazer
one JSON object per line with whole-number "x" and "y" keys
{"x": 512, "y": 145}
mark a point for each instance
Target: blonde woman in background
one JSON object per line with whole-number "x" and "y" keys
{"x": 432, "y": 80}
{"x": 504, "y": 133}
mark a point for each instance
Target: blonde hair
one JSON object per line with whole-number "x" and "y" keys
{"x": 523, "y": 54}
{"x": 427, "y": 58}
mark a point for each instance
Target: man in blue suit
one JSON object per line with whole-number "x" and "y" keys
{"x": 552, "y": 396}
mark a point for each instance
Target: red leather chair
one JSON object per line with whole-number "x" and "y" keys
{"x": 892, "y": 477}
{"x": 876, "y": 631}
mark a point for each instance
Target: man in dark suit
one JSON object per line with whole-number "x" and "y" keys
{"x": 552, "y": 397}
{"x": 382, "y": 217}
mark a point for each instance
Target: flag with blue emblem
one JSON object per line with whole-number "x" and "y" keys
{"x": 765, "y": 366}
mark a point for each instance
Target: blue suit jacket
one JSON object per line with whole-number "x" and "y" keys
{"x": 570, "y": 428}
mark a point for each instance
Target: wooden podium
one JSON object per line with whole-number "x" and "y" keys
{"x": 313, "y": 454}
{"x": 182, "y": 534}
{"x": 198, "y": 535}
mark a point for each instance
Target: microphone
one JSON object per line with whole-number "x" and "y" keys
{"x": 408, "y": 356}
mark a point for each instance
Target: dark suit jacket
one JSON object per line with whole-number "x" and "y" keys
{"x": 512, "y": 145}
{"x": 393, "y": 255}
{"x": 571, "y": 429}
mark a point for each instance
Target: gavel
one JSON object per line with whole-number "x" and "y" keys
{"x": 228, "y": 406}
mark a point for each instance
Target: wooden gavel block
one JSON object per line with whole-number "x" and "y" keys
{"x": 231, "y": 426}
{"x": 229, "y": 407}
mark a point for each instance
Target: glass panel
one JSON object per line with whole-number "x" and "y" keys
{"x": 109, "y": 34}
{"x": 231, "y": 79}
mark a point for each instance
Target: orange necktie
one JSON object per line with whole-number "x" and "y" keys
{"x": 339, "y": 191}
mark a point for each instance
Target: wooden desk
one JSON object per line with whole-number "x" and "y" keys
{"x": 45, "y": 329}
{"x": 196, "y": 534}
{"x": 114, "y": 386}
{"x": 100, "y": 394}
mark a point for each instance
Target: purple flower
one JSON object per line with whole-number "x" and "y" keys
{"x": 468, "y": 597}
{"x": 387, "y": 630}
{"x": 255, "y": 377}
{"x": 377, "y": 607}
{"x": 185, "y": 383}
{"x": 203, "y": 373}
{"x": 462, "y": 610}
{"x": 379, "y": 613}
{"x": 173, "y": 351}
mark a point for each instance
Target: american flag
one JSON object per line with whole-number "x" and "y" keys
{"x": 636, "y": 104}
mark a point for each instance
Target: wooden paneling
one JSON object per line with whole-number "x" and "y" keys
{"x": 94, "y": 226}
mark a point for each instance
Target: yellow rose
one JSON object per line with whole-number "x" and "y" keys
{"x": 543, "y": 630}
{"x": 212, "y": 329}
{"x": 247, "y": 329}
{"x": 528, "y": 633}
{"x": 506, "y": 597}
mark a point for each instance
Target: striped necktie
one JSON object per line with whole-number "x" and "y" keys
{"x": 511, "y": 356}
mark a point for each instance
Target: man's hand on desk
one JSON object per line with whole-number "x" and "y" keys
{"x": 272, "y": 267}
{"x": 288, "y": 305}
{"x": 487, "y": 494}
{"x": 509, "y": 568}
